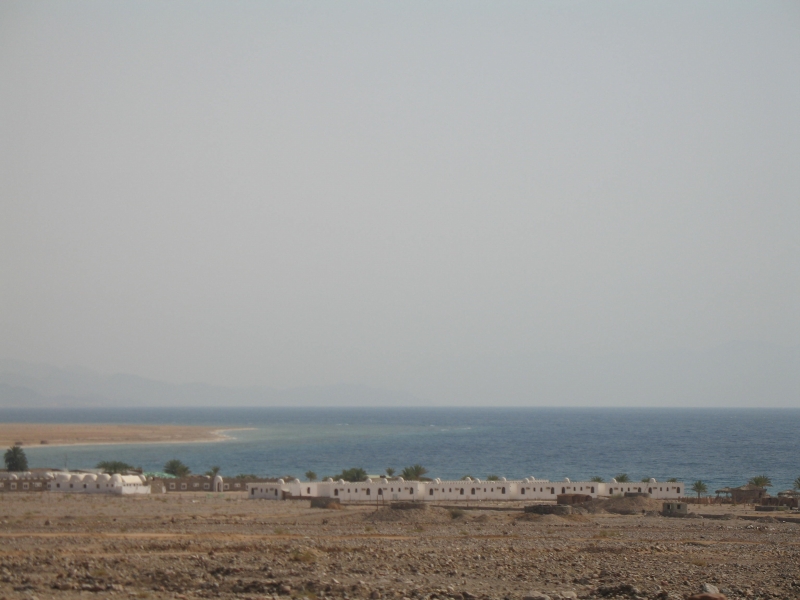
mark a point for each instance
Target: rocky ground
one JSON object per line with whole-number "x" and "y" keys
{"x": 209, "y": 546}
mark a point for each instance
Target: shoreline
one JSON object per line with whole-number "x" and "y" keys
{"x": 219, "y": 437}
{"x": 100, "y": 434}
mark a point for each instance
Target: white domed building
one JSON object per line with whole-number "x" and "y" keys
{"x": 91, "y": 483}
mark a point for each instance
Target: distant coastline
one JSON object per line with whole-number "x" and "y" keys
{"x": 723, "y": 447}
{"x": 107, "y": 434}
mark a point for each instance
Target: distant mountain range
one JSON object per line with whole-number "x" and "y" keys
{"x": 739, "y": 374}
{"x": 28, "y": 385}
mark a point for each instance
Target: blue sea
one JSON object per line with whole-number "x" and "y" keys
{"x": 722, "y": 447}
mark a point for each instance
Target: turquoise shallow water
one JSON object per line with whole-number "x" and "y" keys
{"x": 721, "y": 447}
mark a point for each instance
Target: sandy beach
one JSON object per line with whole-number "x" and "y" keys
{"x": 226, "y": 546}
{"x": 36, "y": 434}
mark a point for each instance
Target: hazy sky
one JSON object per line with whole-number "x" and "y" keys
{"x": 290, "y": 193}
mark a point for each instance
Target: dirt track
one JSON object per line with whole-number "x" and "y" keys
{"x": 179, "y": 546}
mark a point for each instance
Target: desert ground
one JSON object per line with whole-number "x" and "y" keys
{"x": 34, "y": 434}
{"x": 227, "y": 546}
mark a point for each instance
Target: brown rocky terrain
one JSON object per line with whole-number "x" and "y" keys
{"x": 210, "y": 546}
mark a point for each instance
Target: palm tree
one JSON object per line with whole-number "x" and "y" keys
{"x": 672, "y": 480}
{"x": 797, "y": 484}
{"x": 597, "y": 479}
{"x": 622, "y": 478}
{"x": 645, "y": 479}
{"x": 113, "y": 466}
{"x": 761, "y": 481}
{"x": 414, "y": 472}
{"x": 15, "y": 459}
{"x": 355, "y": 474}
{"x": 213, "y": 471}
{"x": 699, "y": 488}
{"x": 311, "y": 476}
{"x": 389, "y": 472}
{"x": 177, "y": 468}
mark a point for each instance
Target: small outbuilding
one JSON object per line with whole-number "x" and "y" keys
{"x": 674, "y": 509}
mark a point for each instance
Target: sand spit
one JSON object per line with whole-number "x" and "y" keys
{"x": 37, "y": 434}
{"x": 225, "y": 546}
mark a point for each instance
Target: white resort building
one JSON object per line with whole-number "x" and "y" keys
{"x": 24, "y": 481}
{"x": 530, "y": 488}
{"x": 376, "y": 489}
{"x": 74, "y": 482}
{"x": 89, "y": 483}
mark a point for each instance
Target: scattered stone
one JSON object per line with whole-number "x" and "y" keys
{"x": 624, "y": 589}
{"x": 223, "y": 548}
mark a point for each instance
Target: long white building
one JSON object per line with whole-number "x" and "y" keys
{"x": 529, "y": 488}
{"x": 89, "y": 483}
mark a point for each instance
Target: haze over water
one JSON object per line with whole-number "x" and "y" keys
{"x": 720, "y": 447}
